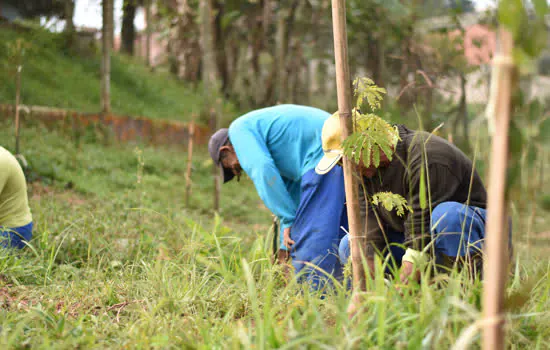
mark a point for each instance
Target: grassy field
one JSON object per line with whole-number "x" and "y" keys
{"x": 118, "y": 261}
{"x": 54, "y": 76}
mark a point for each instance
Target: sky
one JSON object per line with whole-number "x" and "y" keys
{"x": 88, "y": 13}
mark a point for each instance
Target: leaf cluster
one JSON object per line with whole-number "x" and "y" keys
{"x": 529, "y": 135}
{"x": 528, "y": 28}
{"x": 372, "y": 134}
{"x": 391, "y": 201}
{"x": 365, "y": 88}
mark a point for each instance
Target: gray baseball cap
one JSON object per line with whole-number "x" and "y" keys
{"x": 217, "y": 140}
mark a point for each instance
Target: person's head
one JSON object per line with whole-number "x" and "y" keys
{"x": 223, "y": 154}
{"x": 332, "y": 147}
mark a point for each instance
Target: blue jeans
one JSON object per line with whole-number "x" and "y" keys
{"x": 15, "y": 237}
{"x": 457, "y": 230}
{"x": 316, "y": 230}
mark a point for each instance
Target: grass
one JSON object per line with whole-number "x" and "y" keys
{"x": 55, "y": 76}
{"x": 118, "y": 262}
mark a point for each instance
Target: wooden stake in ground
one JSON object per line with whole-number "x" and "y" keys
{"x": 496, "y": 250}
{"x": 17, "y": 101}
{"x": 189, "y": 163}
{"x": 343, "y": 84}
{"x": 215, "y": 169}
{"x": 106, "y": 57}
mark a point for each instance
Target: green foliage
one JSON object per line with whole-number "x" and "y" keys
{"x": 391, "y": 201}
{"x": 543, "y": 136}
{"x": 529, "y": 130}
{"x": 373, "y": 136}
{"x": 371, "y": 133}
{"x": 365, "y": 88}
{"x": 15, "y": 53}
{"x": 528, "y": 137}
{"x": 528, "y": 30}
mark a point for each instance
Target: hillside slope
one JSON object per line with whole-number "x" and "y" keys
{"x": 57, "y": 77}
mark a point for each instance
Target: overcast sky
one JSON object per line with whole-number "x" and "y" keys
{"x": 88, "y": 13}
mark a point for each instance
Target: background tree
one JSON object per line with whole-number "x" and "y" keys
{"x": 128, "y": 30}
{"x": 107, "y": 29}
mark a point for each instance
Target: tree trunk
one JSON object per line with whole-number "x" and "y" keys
{"x": 208, "y": 53}
{"x": 107, "y": 29}
{"x": 375, "y": 60}
{"x": 148, "y": 33}
{"x": 128, "y": 32}
{"x": 219, "y": 44}
{"x": 209, "y": 81}
{"x": 69, "y": 26}
{"x": 233, "y": 65}
{"x": 183, "y": 44}
{"x": 404, "y": 100}
{"x": 282, "y": 46}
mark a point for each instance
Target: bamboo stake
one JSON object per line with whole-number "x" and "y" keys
{"x": 189, "y": 163}
{"x": 343, "y": 84}
{"x": 215, "y": 169}
{"x": 496, "y": 250}
{"x": 17, "y": 101}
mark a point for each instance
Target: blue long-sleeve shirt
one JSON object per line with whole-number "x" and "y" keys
{"x": 275, "y": 147}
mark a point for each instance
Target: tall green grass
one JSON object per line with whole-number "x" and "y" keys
{"x": 121, "y": 263}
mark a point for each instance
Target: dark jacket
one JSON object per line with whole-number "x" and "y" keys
{"x": 448, "y": 176}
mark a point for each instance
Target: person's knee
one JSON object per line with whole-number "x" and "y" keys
{"x": 447, "y": 217}
{"x": 343, "y": 250}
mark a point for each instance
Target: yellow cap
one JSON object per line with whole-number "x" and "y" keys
{"x": 332, "y": 144}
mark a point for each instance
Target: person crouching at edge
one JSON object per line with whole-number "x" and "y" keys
{"x": 15, "y": 215}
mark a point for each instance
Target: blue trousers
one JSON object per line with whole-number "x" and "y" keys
{"x": 316, "y": 230}
{"x": 15, "y": 237}
{"x": 457, "y": 230}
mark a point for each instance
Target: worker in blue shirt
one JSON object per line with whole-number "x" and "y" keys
{"x": 278, "y": 148}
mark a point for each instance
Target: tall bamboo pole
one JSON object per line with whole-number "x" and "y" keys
{"x": 496, "y": 250}
{"x": 343, "y": 85}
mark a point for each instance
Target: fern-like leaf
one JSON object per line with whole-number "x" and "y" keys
{"x": 391, "y": 201}
{"x": 365, "y": 88}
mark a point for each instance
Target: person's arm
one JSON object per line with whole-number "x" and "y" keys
{"x": 256, "y": 161}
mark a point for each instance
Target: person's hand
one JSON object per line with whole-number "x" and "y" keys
{"x": 408, "y": 272}
{"x": 287, "y": 241}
